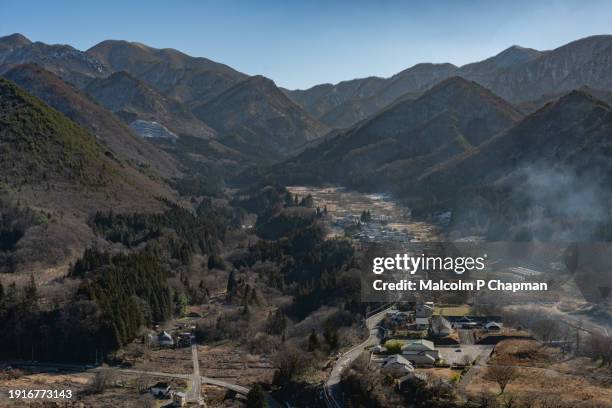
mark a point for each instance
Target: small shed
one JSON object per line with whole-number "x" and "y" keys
{"x": 165, "y": 339}
{"x": 493, "y": 326}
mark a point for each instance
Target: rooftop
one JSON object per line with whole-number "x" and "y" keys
{"x": 422, "y": 342}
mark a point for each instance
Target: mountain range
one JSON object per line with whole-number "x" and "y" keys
{"x": 186, "y": 94}
{"x": 132, "y": 99}
{"x": 516, "y": 74}
{"x": 427, "y": 133}
{"x": 107, "y": 128}
{"x": 573, "y": 132}
{"x": 59, "y": 172}
{"x": 453, "y": 117}
{"x": 164, "y": 87}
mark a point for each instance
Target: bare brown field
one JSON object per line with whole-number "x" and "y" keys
{"x": 546, "y": 371}
{"x": 528, "y": 353}
{"x": 175, "y": 361}
{"x": 233, "y": 364}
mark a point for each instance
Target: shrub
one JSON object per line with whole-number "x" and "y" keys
{"x": 256, "y": 398}
{"x": 394, "y": 346}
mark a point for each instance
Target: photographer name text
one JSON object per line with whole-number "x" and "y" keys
{"x": 442, "y": 285}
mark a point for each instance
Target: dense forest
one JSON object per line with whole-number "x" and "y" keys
{"x": 117, "y": 293}
{"x": 122, "y": 285}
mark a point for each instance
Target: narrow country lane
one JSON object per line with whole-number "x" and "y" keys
{"x": 332, "y": 389}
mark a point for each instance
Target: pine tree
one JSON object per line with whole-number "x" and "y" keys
{"x": 313, "y": 341}
{"x": 331, "y": 336}
{"x": 288, "y": 199}
{"x": 256, "y": 398}
{"x": 232, "y": 284}
{"x": 277, "y": 322}
{"x": 31, "y": 290}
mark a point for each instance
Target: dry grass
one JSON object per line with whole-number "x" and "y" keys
{"x": 525, "y": 353}
{"x": 123, "y": 392}
{"x": 176, "y": 361}
{"x": 226, "y": 361}
{"x": 452, "y": 311}
{"x": 438, "y": 373}
{"x": 532, "y": 380}
{"x": 544, "y": 370}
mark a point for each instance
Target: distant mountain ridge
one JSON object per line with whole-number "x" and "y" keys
{"x": 255, "y": 115}
{"x": 133, "y": 99}
{"x": 516, "y": 74}
{"x": 139, "y": 82}
{"x": 44, "y": 147}
{"x": 66, "y": 62}
{"x": 381, "y": 126}
{"x": 180, "y": 76}
{"x": 108, "y": 128}
{"x": 56, "y": 169}
{"x": 575, "y": 132}
{"x": 451, "y": 118}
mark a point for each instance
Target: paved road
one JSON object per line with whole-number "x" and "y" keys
{"x": 582, "y": 322}
{"x": 576, "y": 321}
{"x": 234, "y": 387}
{"x": 332, "y": 387}
{"x": 143, "y": 372}
{"x": 196, "y": 381}
{"x": 466, "y": 336}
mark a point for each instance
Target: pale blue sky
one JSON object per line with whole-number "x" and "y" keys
{"x": 302, "y": 43}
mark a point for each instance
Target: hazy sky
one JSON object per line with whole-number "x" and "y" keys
{"x": 302, "y": 43}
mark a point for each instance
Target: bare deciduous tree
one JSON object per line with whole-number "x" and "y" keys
{"x": 290, "y": 362}
{"x": 102, "y": 380}
{"x": 142, "y": 384}
{"x": 502, "y": 375}
{"x": 600, "y": 348}
{"x": 546, "y": 329}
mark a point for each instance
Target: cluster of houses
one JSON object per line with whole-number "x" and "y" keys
{"x": 422, "y": 318}
{"x": 419, "y": 352}
{"x": 375, "y": 230}
{"x": 421, "y": 322}
{"x": 165, "y": 339}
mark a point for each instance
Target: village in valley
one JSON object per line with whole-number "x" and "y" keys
{"x": 455, "y": 345}
{"x": 346, "y": 206}
{"x": 489, "y": 341}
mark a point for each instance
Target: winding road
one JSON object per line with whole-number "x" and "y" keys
{"x": 332, "y": 388}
